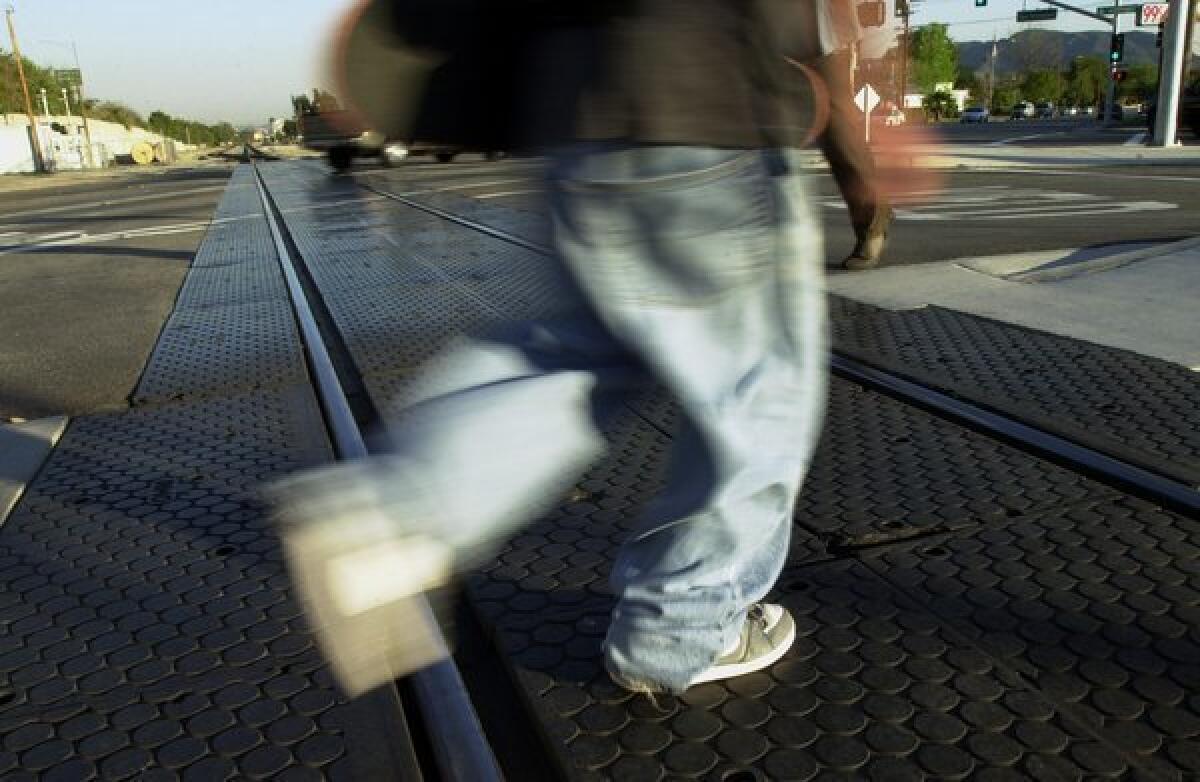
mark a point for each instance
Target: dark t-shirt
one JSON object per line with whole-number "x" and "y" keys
{"x": 535, "y": 73}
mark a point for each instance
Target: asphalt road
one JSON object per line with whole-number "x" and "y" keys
{"x": 971, "y": 214}
{"x": 88, "y": 275}
{"x": 1037, "y": 132}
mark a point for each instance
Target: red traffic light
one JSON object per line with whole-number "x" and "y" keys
{"x": 1119, "y": 75}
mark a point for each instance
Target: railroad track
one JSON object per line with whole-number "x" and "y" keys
{"x": 456, "y": 739}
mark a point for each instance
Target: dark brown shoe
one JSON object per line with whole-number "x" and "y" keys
{"x": 868, "y": 252}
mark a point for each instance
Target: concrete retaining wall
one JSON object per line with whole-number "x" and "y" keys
{"x": 67, "y": 150}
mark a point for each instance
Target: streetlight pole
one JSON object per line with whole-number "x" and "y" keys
{"x": 66, "y": 102}
{"x": 39, "y": 162}
{"x": 80, "y": 100}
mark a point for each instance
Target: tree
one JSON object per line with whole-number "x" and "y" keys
{"x": 1043, "y": 86}
{"x": 968, "y": 80}
{"x": 934, "y": 56}
{"x": 1086, "y": 81}
{"x": 159, "y": 122}
{"x": 290, "y": 129}
{"x": 111, "y": 111}
{"x": 1141, "y": 82}
{"x": 939, "y": 104}
{"x": 302, "y": 105}
{"x": 1004, "y": 96}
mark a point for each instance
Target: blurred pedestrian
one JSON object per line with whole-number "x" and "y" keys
{"x": 837, "y": 31}
{"x": 695, "y": 259}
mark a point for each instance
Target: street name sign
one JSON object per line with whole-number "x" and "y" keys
{"x": 1109, "y": 10}
{"x": 68, "y": 77}
{"x": 1037, "y": 15}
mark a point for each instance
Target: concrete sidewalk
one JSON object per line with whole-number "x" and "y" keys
{"x": 985, "y": 156}
{"x": 1143, "y": 300}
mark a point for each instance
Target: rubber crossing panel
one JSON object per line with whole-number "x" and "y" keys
{"x": 149, "y": 632}
{"x": 1137, "y": 408}
{"x": 887, "y": 681}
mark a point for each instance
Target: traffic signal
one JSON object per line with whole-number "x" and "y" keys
{"x": 901, "y": 8}
{"x": 1158, "y": 39}
{"x": 980, "y": 3}
{"x": 1119, "y": 75}
{"x": 1117, "y": 50}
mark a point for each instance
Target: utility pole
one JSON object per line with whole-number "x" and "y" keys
{"x": 45, "y": 103}
{"x": 82, "y": 103}
{"x": 992, "y": 75}
{"x": 39, "y": 162}
{"x": 66, "y": 102}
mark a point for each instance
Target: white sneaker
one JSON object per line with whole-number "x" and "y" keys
{"x": 767, "y": 633}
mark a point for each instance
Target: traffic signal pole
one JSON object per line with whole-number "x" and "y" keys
{"x": 1110, "y": 102}
{"x": 1166, "y": 120}
{"x": 1112, "y": 84}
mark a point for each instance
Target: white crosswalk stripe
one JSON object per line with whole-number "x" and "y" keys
{"x": 1001, "y": 202}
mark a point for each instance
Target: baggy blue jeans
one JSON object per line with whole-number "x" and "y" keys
{"x": 699, "y": 269}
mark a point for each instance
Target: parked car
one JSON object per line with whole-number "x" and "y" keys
{"x": 1070, "y": 111}
{"x": 1044, "y": 110}
{"x": 1116, "y": 113}
{"x": 974, "y": 114}
{"x": 1022, "y": 110}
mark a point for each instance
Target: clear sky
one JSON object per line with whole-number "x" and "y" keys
{"x": 240, "y": 60}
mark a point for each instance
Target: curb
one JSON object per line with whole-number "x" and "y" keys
{"x": 1106, "y": 263}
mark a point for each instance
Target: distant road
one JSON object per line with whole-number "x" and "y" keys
{"x": 89, "y": 272}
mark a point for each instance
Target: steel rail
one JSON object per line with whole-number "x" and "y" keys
{"x": 1110, "y": 469}
{"x": 460, "y": 748}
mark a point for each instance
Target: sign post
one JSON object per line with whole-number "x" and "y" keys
{"x": 866, "y": 100}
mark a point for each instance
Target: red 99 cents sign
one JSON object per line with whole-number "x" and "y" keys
{"x": 1152, "y": 13}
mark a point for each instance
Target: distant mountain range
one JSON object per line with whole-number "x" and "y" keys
{"x": 1053, "y": 49}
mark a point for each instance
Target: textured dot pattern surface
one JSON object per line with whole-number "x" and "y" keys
{"x": 980, "y": 614}
{"x": 149, "y": 631}
{"x": 232, "y": 328}
{"x": 1132, "y": 406}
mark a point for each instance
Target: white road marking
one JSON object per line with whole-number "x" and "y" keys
{"x": 506, "y": 193}
{"x": 1090, "y": 171}
{"x": 466, "y": 186}
{"x": 1064, "y": 210}
{"x": 60, "y": 235}
{"x": 1004, "y": 203}
{"x": 115, "y": 236}
{"x": 9, "y": 217}
{"x": 1006, "y": 141}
